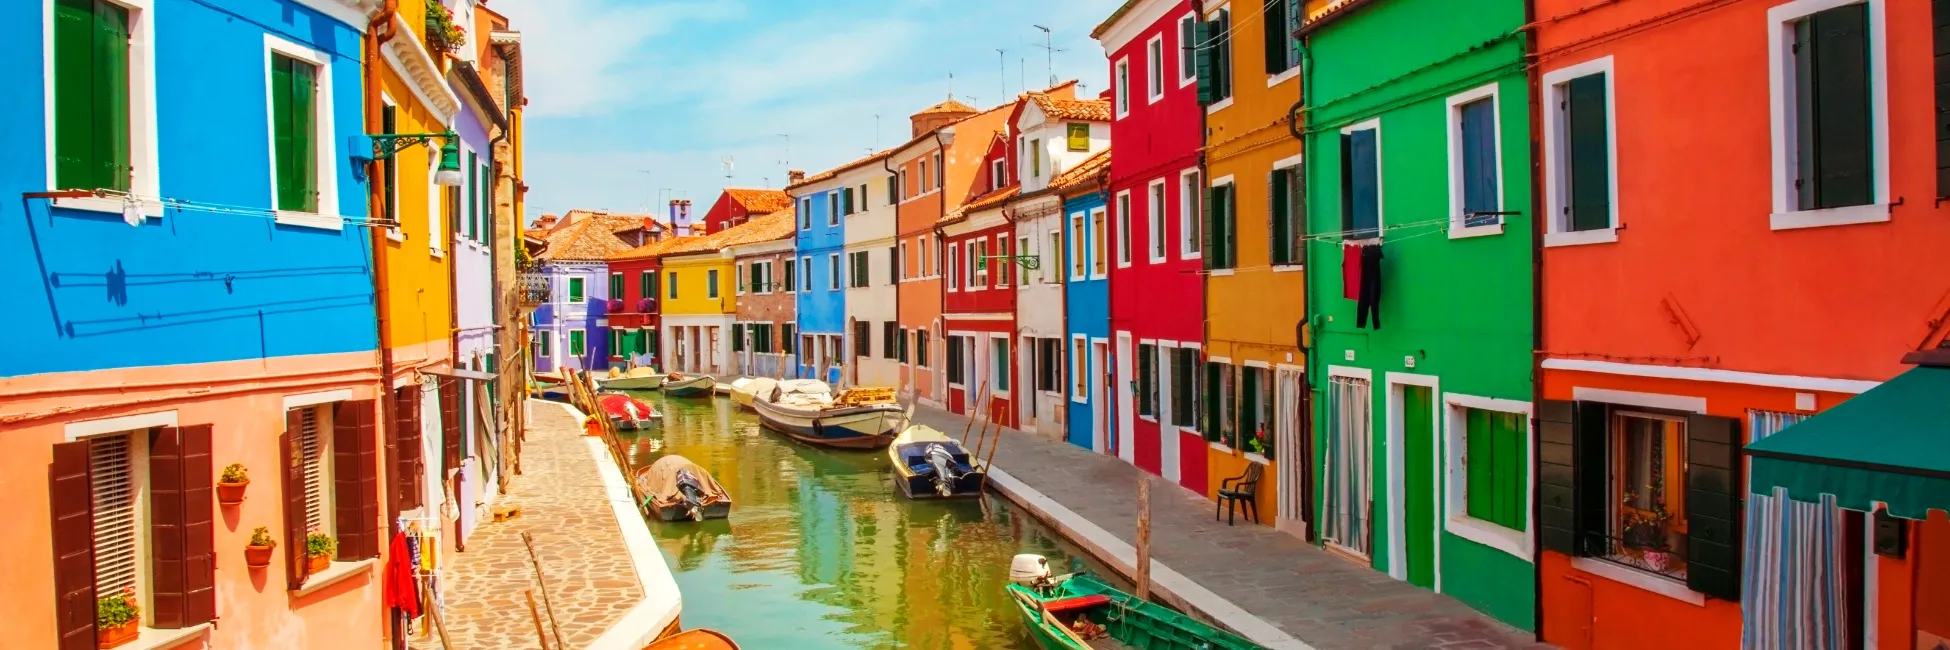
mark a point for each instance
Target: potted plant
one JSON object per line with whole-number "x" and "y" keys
{"x": 231, "y": 484}
{"x": 257, "y": 555}
{"x": 444, "y": 34}
{"x": 1645, "y": 537}
{"x": 319, "y": 548}
{"x": 117, "y": 618}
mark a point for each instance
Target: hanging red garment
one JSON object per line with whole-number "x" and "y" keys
{"x": 400, "y": 590}
{"x": 1351, "y": 271}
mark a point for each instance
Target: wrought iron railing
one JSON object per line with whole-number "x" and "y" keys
{"x": 1652, "y": 558}
{"x": 534, "y": 288}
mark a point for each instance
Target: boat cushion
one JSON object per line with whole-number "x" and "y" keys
{"x": 1075, "y": 603}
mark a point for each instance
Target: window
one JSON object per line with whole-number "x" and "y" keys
{"x": 1349, "y": 479}
{"x": 1496, "y": 467}
{"x": 939, "y": 173}
{"x": 1289, "y": 214}
{"x": 902, "y": 183}
{"x": 901, "y": 345}
{"x": 1124, "y": 229}
{"x": 1281, "y": 20}
{"x": 862, "y": 339}
{"x": 924, "y": 271}
{"x": 832, "y": 271}
{"x": 1187, "y": 50}
{"x": 576, "y": 342}
{"x": 998, "y": 174}
{"x": 954, "y": 266}
{"x": 1154, "y": 71}
{"x": 615, "y": 343}
{"x": 616, "y": 285}
{"x": 1156, "y": 222}
{"x": 1098, "y": 252}
{"x": 1123, "y": 83}
{"x": 473, "y": 202}
{"x": 646, "y": 284}
{"x": 1361, "y": 180}
{"x": 921, "y": 348}
{"x": 711, "y": 283}
{"x": 1078, "y": 137}
{"x": 893, "y": 190}
{"x": 294, "y": 131}
{"x": 1218, "y": 424}
{"x": 900, "y": 262}
{"x": 791, "y": 270}
{"x": 955, "y": 361}
{"x": 1147, "y": 381}
{"x": 1036, "y": 158}
{"x": 862, "y": 205}
{"x": 673, "y": 285}
{"x": 1255, "y": 410}
{"x": 1052, "y": 273}
{"x": 978, "y": 264}
{"x": 805, "y": 281}
{"x": 1578, "y": 147}
{"x": 805, "y": 213}
{"x": 389, "y": 170}
{"x": 541, "y": 345}
{"x": 1475, "y": 188}
{"x": 1648, "y": 461}
{"x": 754, "y": 279}
{"x": 1049, "y": 365}
{"x": 890, "y": 340}
{"x": 1002, "y": 373}
{"x": 92, "y": 83}
{"x": 1224, "y": 229}
{"x": 1831, "y": 103}
{"x": 860, "y": 269}
{"x": 1190, "y": 220}
{"x": 1184, "y": 386}
{"x": 1005, "y": 265}
{"x": 1215, "y": 58}
{"x": 832, "y": 208}
{"x": 575, "y": 290}
{"x": 787, "y": 339}
{"x": 1079, "y": 369}
{"x": 894, "y": 257}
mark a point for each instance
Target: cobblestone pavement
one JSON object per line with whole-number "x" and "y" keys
{"x": 591, "y": 582}
{"x": 1320, "y": 599}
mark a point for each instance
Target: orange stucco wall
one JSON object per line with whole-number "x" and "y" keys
{"x": 1625, "y": 617}
{"x": 244, "y": 402}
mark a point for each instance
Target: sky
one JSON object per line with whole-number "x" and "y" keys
{"x": 634, "y": 102}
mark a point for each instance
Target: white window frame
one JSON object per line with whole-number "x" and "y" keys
{"x": 903, "y": 264}
{"x": 1232, "y": 194}
{"x": 1079, "y": 354}
{"x": 738, "y": 278}
{"x": 145, "y": 183}
{"x": 954, "y": 266}
{"x": 805, "y": 274}
{"x": 1154, "y": 74}
{"x": 436, "y": 195}
{"x": 1231, "y": 54}
{"x": 1187, "y": 74}
{"x": 1380, "y": 176}
{"x": 1557, "y": 154}
{"x": 1456, "y": 519}
{"x": 1155, "y": 196}
{"x": 998, "y": 174}
{"x": 1096, "y": 236}
{"x": 1453, "y": 115}
{"x": 1121, "y": 78}
{"x": 1056, "y": 248}
{"x": 978, "y": 263}
{"x": 325, "y": 153}
{"x": 1035, "y": 157}
{"x": 1190, "y": 213}
{"x": 924, "y": 271}
{"x": 1078, "y": 266}
{"x": 1006, "y": 357}
{"x": 832, "y": 208}
{"x": 833, "y": 272}
{"x": 940, "y": 174}
{"x": 1780, "y": 76}
{"x": 1124, "y": 229}
{"x": 805, "y": 210}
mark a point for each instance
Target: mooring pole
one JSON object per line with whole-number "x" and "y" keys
{"x": 1144, "y": 539}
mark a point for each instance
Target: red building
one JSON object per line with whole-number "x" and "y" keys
{"x": 978, "y": 305}
{"x": 738, "y": 205}
{"x": 1153, "y": 300}
{"x": 633, "y": 302}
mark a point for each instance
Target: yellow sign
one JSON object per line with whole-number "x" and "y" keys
{"x": 865, "y": 396}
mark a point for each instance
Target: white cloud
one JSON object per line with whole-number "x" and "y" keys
{"x": 580, "y": 56}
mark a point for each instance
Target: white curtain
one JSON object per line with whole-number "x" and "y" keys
{"x": 1349, "y": 465}
{"x": 1792, "y": 598}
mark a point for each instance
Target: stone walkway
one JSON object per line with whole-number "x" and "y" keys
{"x": 564, "y": 506}
{"x": 1319, "y": 599}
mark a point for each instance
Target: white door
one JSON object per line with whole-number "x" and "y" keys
{"x": 1292, "y": 453}
{"x": 1126, "y": 417}
{"x": 1099, "y": 395}
{"x": 1167, "y": 432}
{"x": 1026, "y": 408}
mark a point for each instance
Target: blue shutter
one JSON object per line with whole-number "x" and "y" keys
{"x": 1362, "y": 218}
{"x": 1478, "y": 120}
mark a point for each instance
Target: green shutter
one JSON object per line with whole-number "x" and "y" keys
{"x": 1214, "y": 403}
{"x": 1479, "y": 463}
{"x": 1278, "y": 197}
{"x": 1587, "y": 122}
{"x": 1274, "y": 20}
{"x": 1512, "y": 470}
{"x": 1834, "y": 125}
{"x": 91, "y": 95}
{"x": 575, "y": 289}
{"x": 1222, "y": 55}
{"x": 737, "y": 337}
{"x": 294, "y": 133}
{"x": 1211, "y": 224}
{"x": 1249, "y": 403}
{"x": 474, "y": 208}
{"x": 1203, "y": 53}
{"x": 389, "y": 123}
{"x": 575, "y": 342}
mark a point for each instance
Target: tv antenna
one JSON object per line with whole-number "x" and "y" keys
{"x": 788, "y": 149}
{"x": 1049, "y": 53}
{"x": 1002, "y": 67}
{"x": 876, "y": 133}
{"x": 728, "y": 164}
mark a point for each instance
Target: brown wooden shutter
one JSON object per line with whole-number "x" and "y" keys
{"x": 1713, "y": 506}
{"x": 71, "y": 502}
{"x": 408, "y": 465}
{"x": 199, "y": 525}
{"x": 1556, "y": 476}
{"x": 449, "y": 425}
{"x": 294, "y": 498}
{"x": 182, "y": 528}
{"x": 355, "y": 481}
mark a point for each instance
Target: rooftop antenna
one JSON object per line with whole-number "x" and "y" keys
{"x": 876, "y": 133}
{"x": 1049, "y": 53}
{"x": 728, "y": 164}
{"x": 1002, "y": 66}
{"x": 788, "y": 149}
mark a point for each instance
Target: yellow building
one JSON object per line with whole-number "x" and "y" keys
{"x": 1254, "y": 291}
{"x": 700, "y": 300}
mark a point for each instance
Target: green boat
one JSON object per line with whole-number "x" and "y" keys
{"x": 1053, "y": 607}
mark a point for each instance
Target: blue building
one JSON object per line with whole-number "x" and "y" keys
{"x": 824, "y": 274}
{"x": 188, "y": 266}
{"x": 1086, "y": 299}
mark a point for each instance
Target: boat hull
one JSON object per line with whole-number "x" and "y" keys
{"x": 692, "y": 387}
{"x": 741, "y": 398}
{"x": 916, "y": 479}
{"x": 652, "y": 382}
{"x": 676, "y": 512}
{"x": 870, "y": 427}
{"x": 1136, "y": 623}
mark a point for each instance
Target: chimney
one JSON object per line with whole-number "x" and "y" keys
{"x": 547, "y": 222}
{"x": 793, "y": 176}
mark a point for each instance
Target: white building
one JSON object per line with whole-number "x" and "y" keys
{"x": 1055, "y": 138}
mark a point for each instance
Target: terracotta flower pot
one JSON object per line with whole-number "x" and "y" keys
{"x": 258, "y": 557}
{"x": 231, "y": 494}
{"x": 315, "y": 564}
{"x": 109, "y": 637}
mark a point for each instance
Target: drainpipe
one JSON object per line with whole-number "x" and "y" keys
{"x": 941, "y": 313}
{"x": 1537, "y": 225}
{"x": 378, "y": 32}
{"x": 1304, "y": 333}
{"x": 495, "y": 303}
{"x": 887, "y": 164}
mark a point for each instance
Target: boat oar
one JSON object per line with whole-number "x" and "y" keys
{"x": 971, "y": 414}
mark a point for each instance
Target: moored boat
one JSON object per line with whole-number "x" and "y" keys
{"x": 627, "y": 412}
{"x": 745, "y": 388}
{"x": 642, "y": 378}
{"x": 699, "y": 639}
{"x": 851, "y": 420}
{"x": 930, "y": 465}
{"x": 677, "y": 385}
{"x": 1080, "y": 612}
{"x": 675, "y": 488}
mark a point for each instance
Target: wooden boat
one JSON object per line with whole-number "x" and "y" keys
{"x": 677, "y": 385}
{"x": 699, "y": 639}
{"x": 930, "y": 465}
{"x": 855, "y": 419}
{"x": 635, "y": 379}
{"x": 628, "y": 413}
{"x": 743, "y": 389}
{"x": 1080, "y": 612}
{"x": 675, "y": 488}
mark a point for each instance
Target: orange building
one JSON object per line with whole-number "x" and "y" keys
{"x": 1739, "y": 234}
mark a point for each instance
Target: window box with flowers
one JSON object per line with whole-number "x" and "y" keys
{"x": 319, "y": 548}
{"x": 118, "y": 619}
{"x": 444, "y": 34}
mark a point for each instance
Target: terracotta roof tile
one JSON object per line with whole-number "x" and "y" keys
{"x": 1057, "y": 108}
{"x": 1085, "y": 172}
{"x": 759, "y": 201}
{"x": 836, "y": 171}
{"x": 647, "y": 251}
{"x": 950, "y": 106}
{"x": 591, "y": 238}
{"x": 777, "y": 225}
{"x": 983, "y": 202}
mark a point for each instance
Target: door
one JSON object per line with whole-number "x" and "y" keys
{"x": 1418, "y": 480}
{"x": 1099, "y": 397}
{"x": 1293, "y": 452}
{"x": 1347, "y": 499}
{"x": 1126, "y": 417}
{"x": 1168, "y": 444}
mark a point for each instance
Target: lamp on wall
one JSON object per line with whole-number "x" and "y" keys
{"x": 386, "y": 145}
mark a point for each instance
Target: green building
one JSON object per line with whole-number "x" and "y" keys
{"x": 1418, "y": 155}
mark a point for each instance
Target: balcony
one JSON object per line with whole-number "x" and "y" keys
{"x": 533, "y": 289}
{"x": 646, "y": 305}
{"x": 615, "y": 306}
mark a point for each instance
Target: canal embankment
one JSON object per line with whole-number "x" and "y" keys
{"x": 1265, "y": 585}
{"x": 606, "y": 583}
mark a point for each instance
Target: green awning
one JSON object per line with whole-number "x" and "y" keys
{"x": 1891, "y": 444}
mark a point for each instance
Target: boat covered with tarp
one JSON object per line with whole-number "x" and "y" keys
{"x": 681, "y": 385}
{"x": 627, "y": 413}
{"x": 699, "y": 639}
{"x": 858, "y": 418}
{"x": 745, "y": 388}
{"x": 638, "y": 378}
{"x": 930, "y": 465}
{"x": 675, "y": 488}
{"x": 1081, "y": 612}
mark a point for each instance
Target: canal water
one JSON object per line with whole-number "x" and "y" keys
{"x": 820, "y": 552}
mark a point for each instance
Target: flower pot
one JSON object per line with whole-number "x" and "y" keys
{"x": 109, "y": 637}
{"x": 315, "y": 564}
{"x": 1658, "y": 560}
{"x": 257, "y": 557}
{"x": 231, "y": 494}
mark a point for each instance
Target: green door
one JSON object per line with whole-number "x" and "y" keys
{"x": 632, "y": 343}
{"x": 1418, "y": 467}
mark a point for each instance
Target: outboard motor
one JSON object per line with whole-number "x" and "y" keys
{"x": 1029, "y": 570}
{"x": 943, "y": 462}
{"x": 693, "y": 492}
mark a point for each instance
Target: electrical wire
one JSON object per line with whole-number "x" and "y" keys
{"x": 183, "y": 205}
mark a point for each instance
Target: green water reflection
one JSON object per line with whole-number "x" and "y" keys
{"x": 820, "y": 553}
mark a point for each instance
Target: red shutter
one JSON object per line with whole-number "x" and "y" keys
{"x": 199, "y": 525}
{"x": 449, "y": 426}
{"x": 166, "y": 480}
{"x": 71, "y": 500}
{"x": 294, "y": 498}
{"x": 355, "y": 493}
{"x": 407, "y": 464}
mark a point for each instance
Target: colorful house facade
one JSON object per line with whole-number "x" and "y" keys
{"x": 870, "y": 294}
{"x": 1653, "y": 369}
{"x": 1156, "y": 287}
{"x": 820, "y": 241}
{"x": 636, "y": 322}
{"x": 192, "y": 247}
{"x": 1419, "y": 192}
{"x": 979, "y": 308}
{"x": 1086, "y": 302}
{"x": 1053, "y": 138}
{"x": 572, "y": 330}
{"x": 919, "y": 176}
{"x": 766, "y": 305}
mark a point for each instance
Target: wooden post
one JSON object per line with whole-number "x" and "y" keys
{"x": 1144, "y": 539}
{"x": 542, "y": 582}
{"x": 540, "y": 634}
{"x": 433, "y": 613}
{"x": 971, "y": 415}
